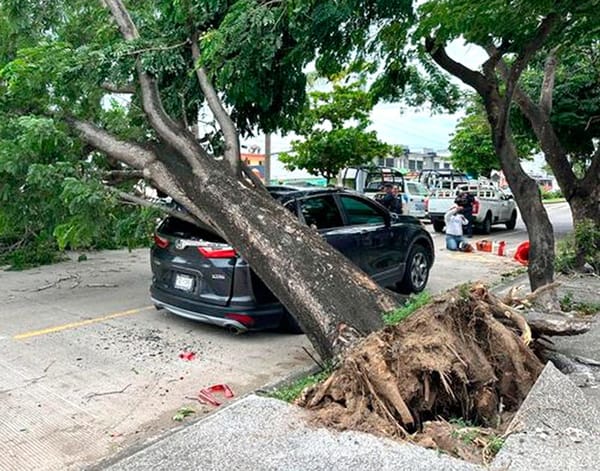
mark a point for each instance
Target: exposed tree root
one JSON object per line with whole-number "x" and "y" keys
{"x": 451, "y": 358}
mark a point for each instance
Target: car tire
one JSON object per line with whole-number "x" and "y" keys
{"x": 417, "y": 271}
{"x": 486, "y": 226}
{"x": 512, "y": 222}
{"x": 289, "y": 324}
{"x": 438, "y": 226}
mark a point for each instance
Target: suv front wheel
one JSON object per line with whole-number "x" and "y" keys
{"x": 417, "y": 271}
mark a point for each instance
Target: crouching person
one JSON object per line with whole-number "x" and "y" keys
{"x": 454, "y": 228}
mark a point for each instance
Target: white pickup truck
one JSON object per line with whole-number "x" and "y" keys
{"x": 492, "y": 206}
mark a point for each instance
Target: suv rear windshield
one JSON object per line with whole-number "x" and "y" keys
{"x": 177, "y": 228}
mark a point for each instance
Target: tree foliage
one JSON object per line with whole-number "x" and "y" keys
{"x": 334, "y": 132}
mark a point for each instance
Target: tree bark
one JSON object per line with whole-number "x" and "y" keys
{"x": 315, "y": 282}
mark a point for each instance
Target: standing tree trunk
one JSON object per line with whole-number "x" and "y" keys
{"x": 582, "y": 194}
{"x": 497, "y": 105}
{"x": 534, "y": 215}
{"x": 328, "y": 295}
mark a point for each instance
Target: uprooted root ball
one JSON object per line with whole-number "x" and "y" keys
{"x": 451, "y": 358}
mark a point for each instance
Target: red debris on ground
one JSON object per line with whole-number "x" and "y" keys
{"x": 187, "y": 356}
{"x": 206, "y": 395}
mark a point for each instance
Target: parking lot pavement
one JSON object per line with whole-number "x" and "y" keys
{"x": 89, "y": 367}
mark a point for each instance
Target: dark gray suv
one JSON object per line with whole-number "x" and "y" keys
{"x": 197, "y": 275}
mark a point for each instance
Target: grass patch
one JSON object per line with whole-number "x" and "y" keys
{"x": 509, "y": 275}
{"x": 291, "y": 392}
{"x": 470, "y": 434}
{"x": 567, "y": 303}
{"x": 414, "y": 302}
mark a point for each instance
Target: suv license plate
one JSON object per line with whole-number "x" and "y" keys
{"x": 184, "y": 282}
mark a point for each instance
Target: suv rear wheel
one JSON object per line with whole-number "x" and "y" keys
{"x": 438, "y": 226}
{"x": 417, "y": 271}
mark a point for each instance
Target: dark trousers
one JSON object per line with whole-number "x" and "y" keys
{"x": 468, "y": 229}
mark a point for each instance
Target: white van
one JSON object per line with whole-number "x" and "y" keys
{"x": 414, "y": 198}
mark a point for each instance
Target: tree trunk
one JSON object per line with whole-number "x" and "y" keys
{"x": 529, "y": 200}
{"x": 582, "y": 194}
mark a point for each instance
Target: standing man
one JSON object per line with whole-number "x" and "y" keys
{"x": 465, "y": 200}
{"x": 389, "y": 200}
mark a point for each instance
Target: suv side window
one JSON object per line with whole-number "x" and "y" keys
{"x": 321, "y": 212}
{"x": 359, "y": 212}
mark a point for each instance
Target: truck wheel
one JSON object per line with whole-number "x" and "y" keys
{"x": 486, "y": 226}
{"x": 512, "y": 222}
{"x": 438, "y": 226}
{"x": 417, "y": 271}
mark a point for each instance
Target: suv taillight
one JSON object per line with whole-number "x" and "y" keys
{"x": 217, "y": 251}
{"x": 475, "y": 206}
{"x": 161, "y": 242}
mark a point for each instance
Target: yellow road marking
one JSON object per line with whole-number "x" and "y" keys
{"x": 74, "y": 325}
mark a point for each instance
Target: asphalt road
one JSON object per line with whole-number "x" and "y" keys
{"x": 88, "y": 367}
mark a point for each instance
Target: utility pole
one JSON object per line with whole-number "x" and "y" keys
{"x": 267, "y": 158}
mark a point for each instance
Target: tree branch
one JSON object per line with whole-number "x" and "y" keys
{"x": 132, "y": 154}
{"x": 472, "y": 78}
{"x": 157, "y": 48}
{"x": 232, "y": 143}
{"x": 540, "y": 122}
{"x": 546, "y": 27}
{"x": 149, "y": 204}
{"x": 548, "y": 83}
{"x": 127, "y": 89}
{"x": 257, "y": 182}
{"x": 180, "y": 138}
{"x": 135, "y": 156}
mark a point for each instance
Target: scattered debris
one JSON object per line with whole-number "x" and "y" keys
{"x": 206, "y": 395}
{"x": 107, "y": 393}
{"x": 182, "y": 413}
{"x": 543, "y": 312}
{"x": 187, "y": 356}
{"x": 57, "y": 282}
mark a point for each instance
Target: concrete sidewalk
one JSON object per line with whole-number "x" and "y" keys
{"x": 557, "y": 428}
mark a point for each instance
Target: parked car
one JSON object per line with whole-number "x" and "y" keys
{"x": 196, "y": 274}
